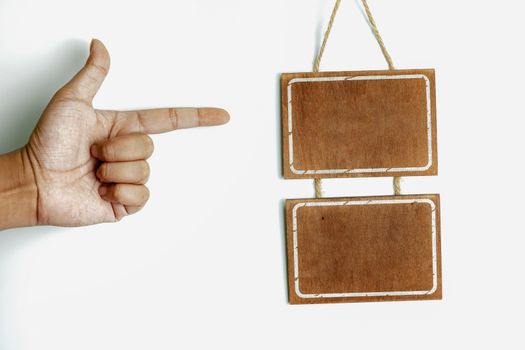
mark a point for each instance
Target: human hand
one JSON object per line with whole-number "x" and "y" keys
{"x": 89, "y": 165}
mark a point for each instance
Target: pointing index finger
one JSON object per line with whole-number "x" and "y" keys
{"x": 154, "y": 121}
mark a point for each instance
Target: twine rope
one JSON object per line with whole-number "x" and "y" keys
{"x": 317, "y": 62}
{"x": 318, "y": 185}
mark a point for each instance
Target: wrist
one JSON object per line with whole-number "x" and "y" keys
{"x": 18, "y": 190}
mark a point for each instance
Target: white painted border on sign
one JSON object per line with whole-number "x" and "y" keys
{"x": 364, "y": 170}
{"x": 372, "y": 293}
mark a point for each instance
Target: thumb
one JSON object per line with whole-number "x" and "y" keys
{"x": 88, "y": 80}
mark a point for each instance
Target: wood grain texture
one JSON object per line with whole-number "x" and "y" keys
{"x": 363, "y": 249}
{"x": 360, "y": 123}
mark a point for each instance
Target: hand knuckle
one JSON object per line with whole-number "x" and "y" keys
{"x": 145, "y": 195}
{"x": 100, "y": 69}
{"x": 117, "y": 192}
{"x": 145, "y": 171}
{"x": 106, "y": 151}
{"x": 148, "y": 145}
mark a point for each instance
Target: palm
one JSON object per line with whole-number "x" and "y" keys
{"x": 68, "y": 186}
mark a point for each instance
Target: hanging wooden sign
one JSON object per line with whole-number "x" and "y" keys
{"x": 363, "y": 249}
{"x": 357, "y": 124}
{"x": 364, "y": 123}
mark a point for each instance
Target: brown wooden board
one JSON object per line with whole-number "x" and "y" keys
{"x": 361, "y": 123}
{"x": 363, "y": 249}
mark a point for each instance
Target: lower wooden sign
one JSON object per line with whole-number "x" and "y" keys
{"x": 363, "y": 249}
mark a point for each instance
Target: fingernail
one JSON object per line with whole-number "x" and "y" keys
{"x": 224, "y": 116}
{"x": 214, "y": 116}
{"x": 102, "y": 190}
{"x": 94, "y": 151}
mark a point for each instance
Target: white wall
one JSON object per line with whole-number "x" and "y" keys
{"x": 202, "y": 266}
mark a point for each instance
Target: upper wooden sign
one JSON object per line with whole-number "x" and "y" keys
{"x": 361, "y": 123}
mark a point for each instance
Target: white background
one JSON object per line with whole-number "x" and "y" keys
{"x": 203, "y": 265}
